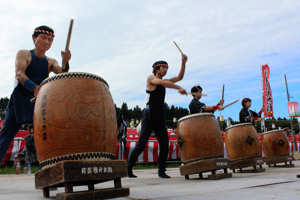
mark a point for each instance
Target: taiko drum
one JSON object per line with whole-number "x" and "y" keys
{"x": 241, "y": 142}
{"x": 275, "y": 143}
{"x": 199, "y": 138}
{"x": 74, "y": 119}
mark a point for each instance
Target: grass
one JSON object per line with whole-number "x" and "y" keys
{"x": 12, "y": 170}
{"x": 6, "y": 169}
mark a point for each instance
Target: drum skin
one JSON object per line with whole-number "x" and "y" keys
{"x": 275, "y": 143}
{"x": 241, "y": 141}
{"x": 74, "y": 113}
{"x": 201, "y": 137}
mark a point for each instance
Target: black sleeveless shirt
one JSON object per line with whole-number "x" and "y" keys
{"x": 155, "y": 103}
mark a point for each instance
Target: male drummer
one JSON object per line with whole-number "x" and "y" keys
{"x": 31, "y": 67}
{"x": 154, "y": 114}
{"x": 198, "y": 107}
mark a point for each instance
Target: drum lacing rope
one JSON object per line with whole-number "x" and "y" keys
{"x": 203, "y": 158}
{"x": 72, "y": 75}
{"x": 81, "y": 156}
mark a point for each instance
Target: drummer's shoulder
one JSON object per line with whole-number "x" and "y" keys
{"x": 51, "y": 61}
{"x": 23, "y": 53}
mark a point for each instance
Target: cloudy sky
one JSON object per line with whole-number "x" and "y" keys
{"x": 226, "y": 42}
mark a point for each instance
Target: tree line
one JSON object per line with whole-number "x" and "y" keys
{"x": 172, "y": 112}
{"x": 136, "y": 113}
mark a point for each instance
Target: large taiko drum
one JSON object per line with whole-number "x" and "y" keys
{"x": 74, "y": 119}
{"x": 199, "y": 138}
{"x": 241, "y": 142}
{"x": 275, "y": 143}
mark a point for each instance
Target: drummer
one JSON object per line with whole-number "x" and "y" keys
{"x": 32, "y": 67}
{"x": 198, "y": 107}
{"x": 247, "y": 115}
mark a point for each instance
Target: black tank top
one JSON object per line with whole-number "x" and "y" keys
{"x": 155, "y": 103}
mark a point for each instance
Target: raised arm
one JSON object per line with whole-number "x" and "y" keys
{"x": 182, "y": 70}
{"x": 55, "y": 67}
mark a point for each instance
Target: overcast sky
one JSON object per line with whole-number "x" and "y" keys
{"x": 226, "y": 43}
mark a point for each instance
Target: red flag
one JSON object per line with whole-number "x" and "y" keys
{"x": 267, "y": 93}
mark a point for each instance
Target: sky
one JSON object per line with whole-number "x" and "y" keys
{"x": 226, "y": 42}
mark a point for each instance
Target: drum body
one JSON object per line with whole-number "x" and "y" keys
{"x": 74, "y": 119}
{"x": 241, "y": 141}
{"x": 275, "y": 143}
{"x": 199, "y": 138}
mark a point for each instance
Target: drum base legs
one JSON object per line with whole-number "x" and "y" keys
{"x": 280, "y": 159}
{"x": 248, "y": 162}
{"x": 212, "y": 165}
{"x": 77, "y": 173}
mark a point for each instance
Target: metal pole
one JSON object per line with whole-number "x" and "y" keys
{"x": 288, "y": 97}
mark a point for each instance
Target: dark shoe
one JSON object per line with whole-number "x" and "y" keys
{"x": 163, "y": 175}
{"x": 130, "y": 173}
{"x": 298, "y": 176}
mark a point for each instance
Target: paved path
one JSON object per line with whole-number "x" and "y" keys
{"x": 275, "y": 183}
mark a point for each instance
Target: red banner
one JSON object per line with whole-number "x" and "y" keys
{"x": 267, "y": 93}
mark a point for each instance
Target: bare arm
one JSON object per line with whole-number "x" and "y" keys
{"x": 152, "y": 80}
{"x": 54, "y": 67}
{"x": 23, "y": 59}
{"x": 182, "y": 70}
{"x": 21, "y": 65}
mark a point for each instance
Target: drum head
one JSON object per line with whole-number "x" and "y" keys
{"x": 72, "y": 75}
{"x": 197, "y": 115}
{"x": 238, "y": 125}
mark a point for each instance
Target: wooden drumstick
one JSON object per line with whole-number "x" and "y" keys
{"x": 197, "y": 94}
{"x": 178, "y": 47}
{"x": 231, "y": 103}
{"x": 267, "y": 115}
{"x": 32, "y": 100}
{"x": 68, "y": 43}
{"x": 223, "y": 93}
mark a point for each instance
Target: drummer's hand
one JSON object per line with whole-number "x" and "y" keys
{"x": 221, "y": 108}
{"x": 35, "y": 91}
{"x": 66, "y": 56}
{"x": 259, "y": 119}
{"x": 182, "y": 91}
{"x": 221, "y": 102}
{"x": 262, "y": 110}
{"x": 184, "y": 58}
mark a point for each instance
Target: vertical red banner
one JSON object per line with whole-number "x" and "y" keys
{"x": 267, "y": 93}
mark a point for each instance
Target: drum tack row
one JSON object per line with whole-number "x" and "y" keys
{"x": 201, "y": 147}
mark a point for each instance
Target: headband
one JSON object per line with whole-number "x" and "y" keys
{"x": 159, "y": 65}
{"x": 43, "y": 31}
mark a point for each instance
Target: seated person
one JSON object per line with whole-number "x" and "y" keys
{"x": 247, "y": 115}
{"x": 198, "y": 107}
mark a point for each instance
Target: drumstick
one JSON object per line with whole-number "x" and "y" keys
{"x": 32, "y": 100}
{"x": 197, "y": 94}
{"x": 223, "y": 93}
{"x": 267, "y": 115}
{"x": 178, "y": 47}
{"x": 231, "y": 103}
{"x": 68, "y": 42}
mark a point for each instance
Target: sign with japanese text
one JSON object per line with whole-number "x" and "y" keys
{"x": 267, "y": 93}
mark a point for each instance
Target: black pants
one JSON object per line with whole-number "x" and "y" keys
{"x": 161, "y": 133}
